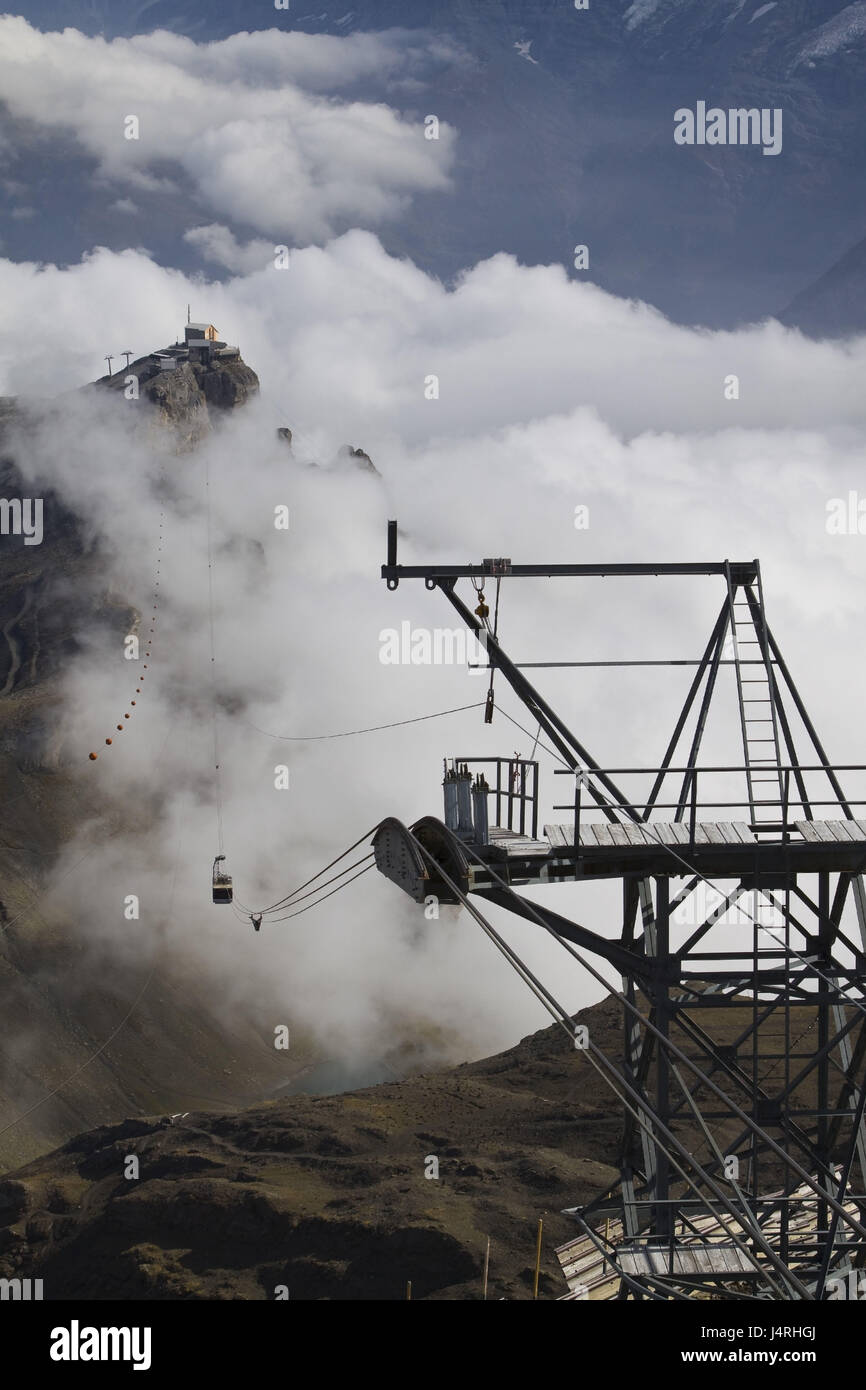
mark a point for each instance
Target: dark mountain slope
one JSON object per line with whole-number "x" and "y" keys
{"x": 327, "y": 1195}
{"x": 835, "y": 305}
{"x": 63, "y": 995}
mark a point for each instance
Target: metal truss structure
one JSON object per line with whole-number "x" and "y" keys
{"x": 741, "y": 1069}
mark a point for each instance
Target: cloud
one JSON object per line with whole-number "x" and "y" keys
{"x": 219, "y": 245}
{"x": 359, "y": 331}
{"x": 552, "y": 394}
{"x": 250, "y": 121}
{"x": 124, "y": 205}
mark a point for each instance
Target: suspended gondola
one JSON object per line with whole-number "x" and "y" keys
{"x": 222, "y": 884}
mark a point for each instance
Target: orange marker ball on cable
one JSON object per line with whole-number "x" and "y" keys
{"x": 93, "y": 757}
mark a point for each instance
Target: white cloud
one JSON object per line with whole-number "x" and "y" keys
{"x": 219, "y": 245}
{"x": 243, "y": 118}
{"x": 124, "y": 205}
{"x": 552, "y": 394}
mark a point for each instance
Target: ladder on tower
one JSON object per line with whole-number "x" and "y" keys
{"x": 755, "y": 693}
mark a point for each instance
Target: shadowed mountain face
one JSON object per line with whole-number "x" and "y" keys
{"x": 565, "y": 136}
{"x": 836, "y": 304}
{"x": 189, "y": 398}
{"x": 64, "y": 993}
{"x": 115, "y": 1028}
{"x": 337, "y": 1197}
{"x": 328, "y": 1195}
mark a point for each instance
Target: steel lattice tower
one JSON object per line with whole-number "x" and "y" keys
{"x": 748, "y": 1037}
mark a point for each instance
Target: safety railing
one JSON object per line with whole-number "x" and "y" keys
{"x": 514, "y": 789}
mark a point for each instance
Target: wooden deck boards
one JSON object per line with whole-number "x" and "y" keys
{"x": 818, "y": 832}
{"x": 608, "y": 835}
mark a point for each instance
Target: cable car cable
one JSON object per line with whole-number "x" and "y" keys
{"x": 647, "y": 827}
{"x": 294, "y": 899}
{"x": 564, "y": 1019}
{"x": 313, "y": 891}
{"x": 350, "y": 733}
{"x": 703, "y": 1077}
{"x": 321, "y": 900}
{"x": 284, "y": 902}
{"x": 647, "y": 1023}
{"x": 556, "y": 756}
{"x": 214, "y": 720}
{"x": 149, "y": 639}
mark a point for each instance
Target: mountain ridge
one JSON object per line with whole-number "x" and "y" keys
{"x": 63, "y": 993}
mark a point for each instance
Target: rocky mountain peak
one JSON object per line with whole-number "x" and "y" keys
{"x": 186, "y": 382}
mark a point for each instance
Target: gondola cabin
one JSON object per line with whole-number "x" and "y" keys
{"x": 222, "y": 884}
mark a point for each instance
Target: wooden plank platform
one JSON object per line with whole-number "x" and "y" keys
{"x": 608, "y": 849}
{"x": 556, "y": 834}
{"x": 844, "y": 829}
{"x": 687, "y": 1261}
{"x": 727, "y": 849}
{"x": 832, "y": 831}
{"x": 605, "y": 834}
{"x": 515, "y": 844}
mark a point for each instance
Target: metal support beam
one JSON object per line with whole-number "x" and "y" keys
{"x": 794, "y": 1096}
